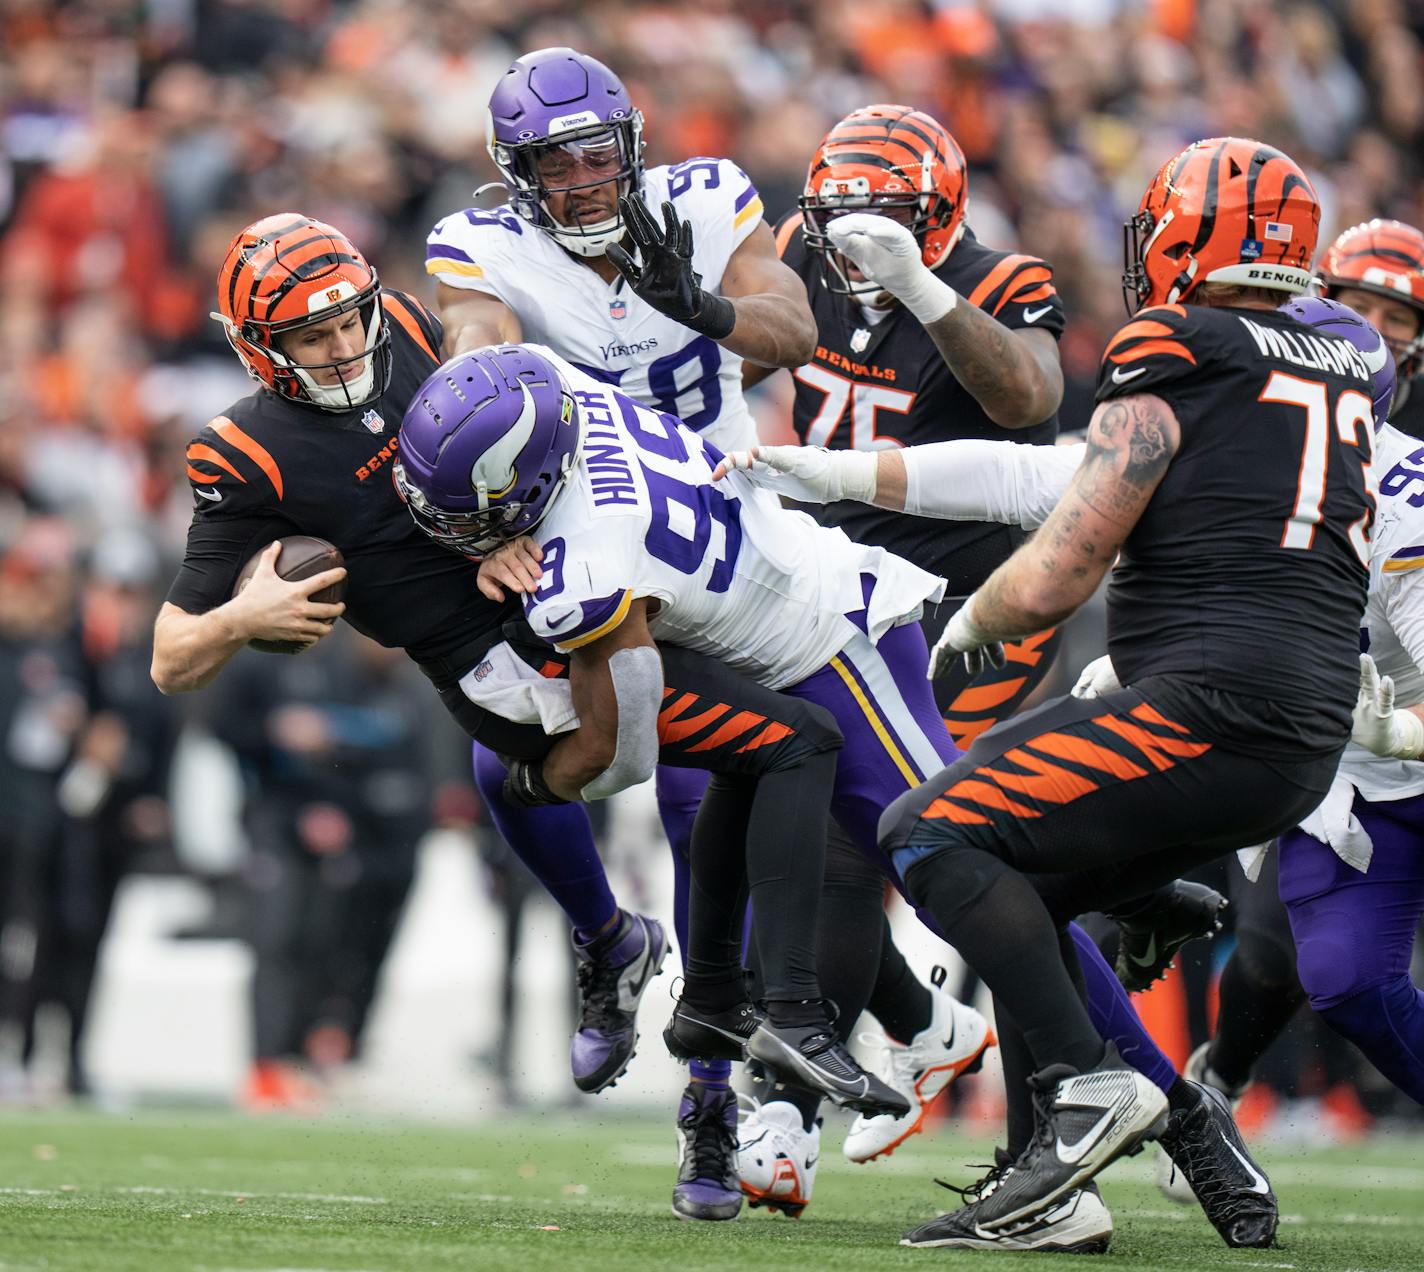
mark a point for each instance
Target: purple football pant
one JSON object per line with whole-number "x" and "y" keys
{"x": 895, "y": 738}
{"x": 1354, "y": 935}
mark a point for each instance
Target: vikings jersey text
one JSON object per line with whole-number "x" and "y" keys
{"x": 735, "y": 575}
{"x": 603, "y": 328}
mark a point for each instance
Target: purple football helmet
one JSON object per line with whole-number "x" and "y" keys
{"x": 1331, "y": 318}
{"x": 557, "y": 108}
{"x": 485, "y": 446}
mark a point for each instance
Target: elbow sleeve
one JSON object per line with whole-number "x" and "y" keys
{"x": 637, "y": 675}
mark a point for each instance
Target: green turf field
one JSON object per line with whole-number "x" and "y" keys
{"x": 154, "y": 1193}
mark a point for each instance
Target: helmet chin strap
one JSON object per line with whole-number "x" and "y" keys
{"x": 342, "y": 396}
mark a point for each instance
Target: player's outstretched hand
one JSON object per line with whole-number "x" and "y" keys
{"x": 272, "y": 608}
{"x": 664, "y": 276}
{"x": 962, "y": 635}
{"x": 1377, "y": 726}
{"x": 514, "y": 565}
{"x": 1098, "y": 677}
{"x": 809, "y": 474}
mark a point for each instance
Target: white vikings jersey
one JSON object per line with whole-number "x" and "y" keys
{"x": 603, "y": 328}
{"x": 736, "y": 576}
{"x": 1393, "y": 634}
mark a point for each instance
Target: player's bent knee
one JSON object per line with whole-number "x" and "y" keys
{"x": 1330, "y": 971}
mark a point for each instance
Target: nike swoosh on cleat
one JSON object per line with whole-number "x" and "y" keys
{"x": 1150, "y": 956}
{"x": 1072, "y": 1153}
{"x": 1259, "y": 1184}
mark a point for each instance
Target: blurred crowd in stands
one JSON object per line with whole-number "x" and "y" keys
{"x": 136, "y": 136}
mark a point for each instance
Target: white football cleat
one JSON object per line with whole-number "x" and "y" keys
{"x": 776, "y": 1157}
{"x": 952, "y": 1045}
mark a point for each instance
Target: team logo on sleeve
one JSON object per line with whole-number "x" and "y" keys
{"x": 617, "y": 309}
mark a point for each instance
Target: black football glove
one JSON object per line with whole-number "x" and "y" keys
{"x": 666, "y": 279}
{"x": 524, "y": 784}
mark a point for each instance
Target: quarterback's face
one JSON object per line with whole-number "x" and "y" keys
{"x": 330, "y": 341}
{"x": 580, "y": 180}
{"x": 1397, "y": 322}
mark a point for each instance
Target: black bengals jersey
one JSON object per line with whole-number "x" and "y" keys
{"x": 875, "y": 384}
{"x": 270, "y": 467}
{"x": 1247, "y": 572}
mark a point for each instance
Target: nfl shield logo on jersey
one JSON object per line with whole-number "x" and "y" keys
{"x": 859, "y": 340}
{"x": 374, "y": 422}
{"x": 617, "y": 309}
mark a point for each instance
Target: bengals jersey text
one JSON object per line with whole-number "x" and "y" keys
{"x": 1248, "y": 570}
{"x": 877, "y": 384}
{"x": 270, "y": 467}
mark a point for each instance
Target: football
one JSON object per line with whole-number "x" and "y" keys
{"x": 301, "y": 557}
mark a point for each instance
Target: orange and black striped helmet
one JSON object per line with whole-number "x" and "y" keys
{"x": 289, "y": 271}
{"x": 1387, "y": 258}
{"x": 892, "y": 160}
{"x": 1225, "y": 210}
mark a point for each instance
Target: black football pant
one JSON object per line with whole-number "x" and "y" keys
{"x": 1080, "y": 805}
{"x": 760, "y": 833}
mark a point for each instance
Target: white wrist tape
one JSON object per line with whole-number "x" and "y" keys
{"x": 853, "y": 475}
{"x": 929, "y": 299}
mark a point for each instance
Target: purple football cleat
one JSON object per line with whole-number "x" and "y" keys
{"x": 614, "y": 972}
{"x": 708, "y": 1186}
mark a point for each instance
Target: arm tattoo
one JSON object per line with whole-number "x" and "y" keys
{"x": 989, "y": 361}
{"x": 1130, "y": 444}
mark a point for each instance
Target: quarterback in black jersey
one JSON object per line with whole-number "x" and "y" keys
{"x": 891, "y": 369}
{"x": 1225, "y": 475}
{"x": 339, "y": 358}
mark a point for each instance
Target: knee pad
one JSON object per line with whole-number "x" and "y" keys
{"x": 1328, "y": 970}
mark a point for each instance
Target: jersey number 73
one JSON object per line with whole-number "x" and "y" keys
{"x": 1354, "y": 425}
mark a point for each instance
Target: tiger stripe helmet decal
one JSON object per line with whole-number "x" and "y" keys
{"x": 893, "y": 160}
{"x": 1387, "y": 258}
{"x": 288, "y": 271}
{"x": 1225, "y": 210}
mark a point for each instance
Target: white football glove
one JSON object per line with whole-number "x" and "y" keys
{"x": 808, "y": 473}
{"x": 1098, "y": 678}
{"x": 887, "y": 253}
{"x": 962, "y": 635}
{"x": 1378, "y": 727}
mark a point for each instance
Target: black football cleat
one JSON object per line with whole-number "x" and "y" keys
{"x": 694, "y": 1034}
{"x": 1207, "y": 1149}
{"x": 812, "y": 1056}
{"x": 1152, "y": 937}
{"x": 1082, "y": 1123}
